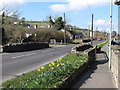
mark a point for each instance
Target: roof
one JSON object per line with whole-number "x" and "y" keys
{"x": 74, "y": 32}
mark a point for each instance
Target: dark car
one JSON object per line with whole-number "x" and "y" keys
{"x": 115, "y": 43}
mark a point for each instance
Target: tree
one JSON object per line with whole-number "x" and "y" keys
{"x": 117, "y": 2}
{"x": 114, "y": 33}
{"x": 8, "y": 30}
{"x": 3, "y": 29}
{"x": 58, "y": 24}
{"x": 51, "y": 21}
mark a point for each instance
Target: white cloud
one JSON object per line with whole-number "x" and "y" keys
{"x": 78, "y": 4}
{"x": 101, "y": 22}
{"x": 104, "y": 25}
{"x": 10, "y": 3}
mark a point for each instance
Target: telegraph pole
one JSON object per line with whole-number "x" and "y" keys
{"x": 110, "y": 34}
{"x": 64, "y": 29}
{"x": 96, "y": 32}
{"x": 92, "y": 30}
{"x": 2, "y": 28}
{"x": 89, "y": 30}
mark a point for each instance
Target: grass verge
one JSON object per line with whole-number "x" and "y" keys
{"x": 100, "y": 45}
{"x": 116, "y": 47}
{"x": 49, "y": 75}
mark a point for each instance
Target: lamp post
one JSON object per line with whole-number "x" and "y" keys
{"x": 117, "y": 2}
{"x": 109, "y": 65}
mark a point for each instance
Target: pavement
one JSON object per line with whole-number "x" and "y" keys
{"x": 98, "y": 75}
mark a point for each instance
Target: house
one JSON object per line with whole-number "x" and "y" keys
{"x": 74, "y": 35}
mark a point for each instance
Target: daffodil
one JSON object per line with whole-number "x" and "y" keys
{"x": 60, "y": 59}
{"x": 38, "y": 69}
{"x": 63, "y": 64}
{"x": 50, "y": 65}
{"x": 52, "y": 68}
{"x": 53, "y": 63}
{"x": 58, "y": 65}
{"x": 42, "y": 67}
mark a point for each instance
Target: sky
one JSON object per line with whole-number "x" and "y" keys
{"x": 78, "y": 12}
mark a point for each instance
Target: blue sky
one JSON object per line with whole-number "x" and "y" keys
{"x": 78, "y": 12}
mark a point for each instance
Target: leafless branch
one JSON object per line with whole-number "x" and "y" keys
{"x": 4, "y": 7}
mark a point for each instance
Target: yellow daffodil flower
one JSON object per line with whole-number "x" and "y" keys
{"x": 38, "y": 69}
{"x": 60, "y": 59}
{"x": 53, "y": 63}
{"x": 63, "y": 64}
{"x": 42, "y": 67}
{"x": 58, "y": 65}
{"x": 50, "y": 65}
{"x": 52, "y": 68}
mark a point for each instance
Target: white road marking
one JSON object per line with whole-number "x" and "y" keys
{"x": 30, "y": 54}
{"x": 44, "y": 51}
{"x": 23, "y": 55}
{"x": 51, "y": 50}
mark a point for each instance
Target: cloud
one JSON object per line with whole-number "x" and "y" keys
{"x": 101, "y": 22}
{"x": 78, "y": 4}
{"x": 104, "y": 25}
{"x": 10, "y": 3}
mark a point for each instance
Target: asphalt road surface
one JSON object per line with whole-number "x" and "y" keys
{"x": 15, "y": 64}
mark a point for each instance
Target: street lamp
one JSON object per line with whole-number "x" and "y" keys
{"x": 109, "y": 65}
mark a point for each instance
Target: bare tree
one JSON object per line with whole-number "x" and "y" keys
{"x": 9, "y": 31}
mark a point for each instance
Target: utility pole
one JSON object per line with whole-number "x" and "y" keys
{"x": 2, "y": 29}
{"x": 89, "y": 30}
{"x": 110, "y": 34}
{"x": 64, "y": 29}
{"x": 96, "y": 32}
{"x": 92, "y": 30}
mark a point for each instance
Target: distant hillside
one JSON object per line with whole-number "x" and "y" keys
{"x": 39, "y": 23}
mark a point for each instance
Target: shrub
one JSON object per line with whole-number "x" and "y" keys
{"x": 45, "y": 35}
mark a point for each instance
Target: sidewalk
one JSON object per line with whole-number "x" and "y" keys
{"x": 98, "y": 75}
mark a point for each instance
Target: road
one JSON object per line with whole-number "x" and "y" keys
{"x": 15, "y": 64}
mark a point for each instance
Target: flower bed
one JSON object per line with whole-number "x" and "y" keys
{"x": 49, "y": 75}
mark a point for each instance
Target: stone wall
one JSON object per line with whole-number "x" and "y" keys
{"x": 115, "y": 67}
{"x": 25, "y": 47}
{"x": 91, "y": 53}
{"x": 87, "y": 49}
{"x": 1, "y": 49}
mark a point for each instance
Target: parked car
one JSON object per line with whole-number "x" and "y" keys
{"x": 99, "y": 39}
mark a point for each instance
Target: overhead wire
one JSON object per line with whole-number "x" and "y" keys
{"x": 89, "y": 7}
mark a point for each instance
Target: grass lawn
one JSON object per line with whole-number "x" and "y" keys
{"x": 37, "y": 23}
